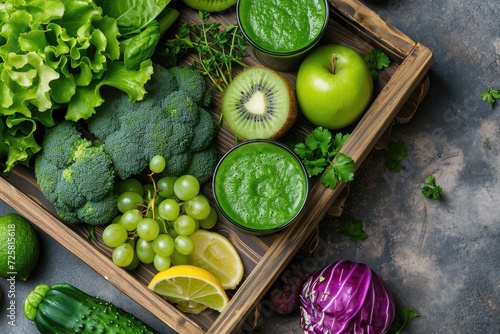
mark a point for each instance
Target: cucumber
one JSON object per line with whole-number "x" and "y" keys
{"x": 210, "y": 5}
{"x": 62, "y": 308}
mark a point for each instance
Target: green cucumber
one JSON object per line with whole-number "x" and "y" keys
{"x": 210, "y": 5}
{"x": 62, "y": 308}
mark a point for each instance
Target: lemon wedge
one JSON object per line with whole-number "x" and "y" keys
{"x": 190, "y": 288}
{"x": 215, "y": 253}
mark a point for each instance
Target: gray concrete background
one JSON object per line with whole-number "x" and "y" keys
{"x": 442, "y": 258}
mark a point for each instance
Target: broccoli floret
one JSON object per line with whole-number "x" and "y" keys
{"x": 201, "y": 165}
{"x": 189, "y": 81}
{"x": 205, "y": 130}
{"x": 170, "y": 121}
{"x": 74, "y": 174}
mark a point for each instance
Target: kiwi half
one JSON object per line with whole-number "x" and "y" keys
{"x": 210, "y": 5}
{"x": 259, "y": 103}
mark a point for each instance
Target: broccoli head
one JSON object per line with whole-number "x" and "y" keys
{"x": 75, "y": 175}
{"x": 170, "y": 121}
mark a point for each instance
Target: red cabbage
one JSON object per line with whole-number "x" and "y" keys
{"x": 346, "y": 297}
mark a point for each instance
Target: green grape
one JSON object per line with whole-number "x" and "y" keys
{"x": 114, "y": 235}
{"x": 177, "y": 258}
{"x": 169, "y": 209}
{"x": 144, "y": 250}
{"x": 148, "y": 229}
{"x": 129, "y": 200}
{"x": 184, "y": 244}
{"x": 186, "y": 187}
{"x": 116, "y": 220}
{"x": 130, "y": 219}
{"x": 157, "y": 164}
{"x": 161, "y": 262}
{"x": 198, "y": 207}
{"x": 123, "y": 255}
{"x": 132, "y": 185}
{"x": 165, "y": 186}
{"x": 135, "y": 261}
{"x": 210, "y": 220}
{"x": 184, "y": 225}
{"x": 163, "y": 245}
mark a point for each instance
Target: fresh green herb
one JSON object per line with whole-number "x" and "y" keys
{"x": 217, "y": 49}
{"x": 397, "y": 152}
{"x": 491, "y": 95}
{"x": 353, "y": 228}
{"x": 402, "y": 319}
{"x": 431, "y": 189}
{"x": 320, "y": 151}
{"x": 376, "y": 60}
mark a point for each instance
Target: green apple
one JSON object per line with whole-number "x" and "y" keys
{"x": 334, "y": 86}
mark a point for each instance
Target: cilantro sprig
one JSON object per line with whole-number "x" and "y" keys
{"x": 402, "y": 319}
{"x": 431, "y": 189}
{"x": 376, "y": 60}
{"x": 491, "y": 95}
{"x": 218, "y": 49}
{"x": 319, "y": 153}
{"x": 397, "y": 152}
{"x": 353, "y": 228}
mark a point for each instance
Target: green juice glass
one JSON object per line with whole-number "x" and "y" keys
{"x": 282, "y": 32}
{"x": 260, "y": 186}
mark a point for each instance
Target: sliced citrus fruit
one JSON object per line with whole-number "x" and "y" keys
{"x": 215, "y": 253}
{"x": 192, "y": 289}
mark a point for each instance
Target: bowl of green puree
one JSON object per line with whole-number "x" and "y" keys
{"x": 260, "y": 186}
{"x": 282, "y": 32}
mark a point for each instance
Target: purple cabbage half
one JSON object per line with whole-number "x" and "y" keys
{"x": 346, "y": 297}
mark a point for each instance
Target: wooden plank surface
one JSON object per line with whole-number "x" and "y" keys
{"x": 264, "y": 257}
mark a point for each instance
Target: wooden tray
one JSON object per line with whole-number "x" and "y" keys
{"x": 398, "y": 90}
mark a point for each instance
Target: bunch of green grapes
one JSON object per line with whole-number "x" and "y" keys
{"x": 157, "y": 218}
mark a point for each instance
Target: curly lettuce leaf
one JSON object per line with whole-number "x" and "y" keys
{"x": 55, "y": 55}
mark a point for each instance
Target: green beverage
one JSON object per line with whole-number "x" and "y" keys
{"x": 260, "y": 186}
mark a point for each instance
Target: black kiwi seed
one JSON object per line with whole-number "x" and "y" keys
{"x": 259, "y": 103}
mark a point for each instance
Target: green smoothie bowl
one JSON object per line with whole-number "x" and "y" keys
{"x": 260, "y": 186}
{"x": 282, "y": 32}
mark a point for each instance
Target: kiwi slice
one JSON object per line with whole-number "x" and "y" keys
{"x": 259, "y": 103}
{"x": 210, "y": 5}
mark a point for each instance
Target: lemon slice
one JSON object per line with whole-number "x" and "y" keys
{"x": 192, "y": 289}
{"x": 215, "y": 253}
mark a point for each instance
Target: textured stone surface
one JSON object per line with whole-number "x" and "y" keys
{"x": 442, "y": 258}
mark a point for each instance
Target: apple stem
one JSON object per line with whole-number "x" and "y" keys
{"x": 332, "y": 63}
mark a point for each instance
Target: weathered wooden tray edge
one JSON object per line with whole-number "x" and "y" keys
{"x": 417, "y": 60}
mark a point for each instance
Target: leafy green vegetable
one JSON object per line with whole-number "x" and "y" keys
{"x": 402, "y": 319}
{"x": 132, "y": 16}
{"x": 397, "y": 152}
{"x": 353, "y": 228}
{"x": 55, "y": 56}
{"x": 491, "y": 95}
{"x": 431, "y": 189}
{"x": 217, "y": 49}
{"x": 320, "y": 152}
{"x": 376, "y": 60}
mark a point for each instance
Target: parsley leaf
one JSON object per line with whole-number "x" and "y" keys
{"x": 431, "y": 189}
{"x": 353, "y": 228}
{"x": 397, "y": 152}
{"x": 376, "y": 60}
{"x": 341, "y": 169}
{"x": 320, "y": 151}
{"x": 402, "y": 319}
{"x": 491, "y": 95}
